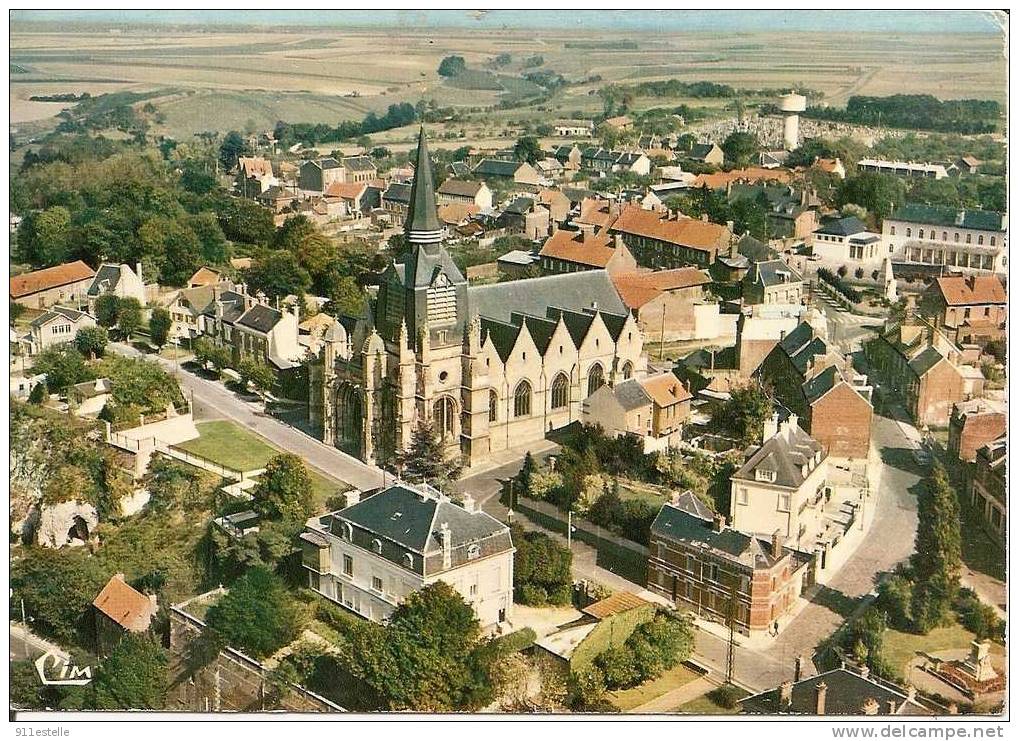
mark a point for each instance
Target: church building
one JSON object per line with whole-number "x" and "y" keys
{"x": 491, "y": 367}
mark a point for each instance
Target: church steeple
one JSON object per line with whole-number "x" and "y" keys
{"x": 422, "y": 226}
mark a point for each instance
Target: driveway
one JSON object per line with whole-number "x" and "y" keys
{"x": 213, "y": 400}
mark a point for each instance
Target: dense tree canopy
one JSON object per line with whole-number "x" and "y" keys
{"x": 257, "y": 616}
{"x": 284, "y": 491}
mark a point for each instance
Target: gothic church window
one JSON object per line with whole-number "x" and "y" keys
{"x": 560, "y": 392}
{"x": 595, "y": 378}
{"x": 522, "y": 400}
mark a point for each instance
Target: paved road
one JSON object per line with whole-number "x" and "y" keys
{"x": 213, "y": 400}
{"x": 27, "y": 645}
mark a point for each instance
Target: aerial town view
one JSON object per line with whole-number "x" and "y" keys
{"x": 508, "y": 362}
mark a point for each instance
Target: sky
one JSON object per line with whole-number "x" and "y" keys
{"x": 635, "y": 20}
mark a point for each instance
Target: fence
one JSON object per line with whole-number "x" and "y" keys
{"x": 615, "y": 553}
{"x": 153, "y": 445}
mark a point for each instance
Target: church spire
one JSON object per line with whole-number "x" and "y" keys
{"x": 422, "y": 225}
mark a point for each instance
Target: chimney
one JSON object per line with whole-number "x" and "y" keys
{"x": 820, "y": 694}
{"x": 870, "y": 706}
{"x": 785, "y": 695}
{"x": 718, "y": 523}
{"x": 469, "y": 503}
{"x": 447, "y": 545}
{"x": 776, "y": 545}
{"x": 891, "y": 707}
{"x": 864, "y": 671}
{"x": 730, "y": 225}
{"x": 790, "y": 424}
{"x": 618, "y": 241}
{"x": 674, "y": 497}
{"x": 352, "y": 497}
{"x": 770, "y": 428}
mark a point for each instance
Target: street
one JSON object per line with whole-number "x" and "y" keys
{"x": 212, "y": 400}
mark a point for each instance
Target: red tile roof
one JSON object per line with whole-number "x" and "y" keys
{"x": 975, "y": 289}
{"x": 127, "y": 607}
{"x": 204, "y": 276}
{"x": 718, "y": 180}
{"x": 456, "y": 213}
{"x": 594, "y": 250}
{"x": 695, "y": 233}
{"x": 665, "y": 389}
{"x": 347, "y": 191}
{"x": 255, "y": 166}
{"x": 596, "y": 212}
{"x": 42, "y": 280}
{"x": 637, "y": 289}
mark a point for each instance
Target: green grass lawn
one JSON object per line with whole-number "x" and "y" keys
{"x": 706, "y": 705}
{"x": 637, "y": 490}
{"x": 900, "y": 648}
{"x": 232, "y": 446}
{"x": 636, "y": 696}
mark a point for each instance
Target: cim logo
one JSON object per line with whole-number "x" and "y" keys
{"x": 58, "y": 670}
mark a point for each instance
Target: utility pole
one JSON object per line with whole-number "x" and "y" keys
{"x": 730, "y": 618}
{"x": 661, "y": 344}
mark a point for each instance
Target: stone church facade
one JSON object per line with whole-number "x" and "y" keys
{"x": 491, "y": 367}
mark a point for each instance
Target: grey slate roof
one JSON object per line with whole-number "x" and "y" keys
{"x": 533, "y": 295}
{"x": 847, "y": 692}
{"x": 261, "y": 318}
{"x": 497, "y": 168}
{"x": 768, "y": 273}
{"x": 105, "y": 280}
{"x": 520, "y": 206}
{"x": 967, "y": 219}
{"x": 700, "y": 151}
{"x": 631, "y": 395}
{"x": 689, "y": 521}
{"x": 843, "y": 227}
{"x": 397, "y": 192}
{"x": 784, "y": 453}
{"x": 422, "y": 214}
{"x": 925, "y": 361}
{"x": 457, "y": 187}
{"x": 821, "y": 384}
{"x": 361, "y": 163}
{"x": 412, "y": 519}
{"x": 55, "y": 312}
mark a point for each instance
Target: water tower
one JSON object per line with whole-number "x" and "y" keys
{"x": 791, "y": 106}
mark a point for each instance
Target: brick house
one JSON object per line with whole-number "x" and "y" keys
{"x": 40, "y": 289}
{"x": 659, "y": 240}
{"x": 988, "y": 493}
{"x": 557, "y": 203}
{"x": 370, "y": 555}
{"x": 703, "y": 565}
{"x": 969, "y": 310}
{"x": 781, "y": 487}
{"x": 670, "y": 302}
{"x": 120, "y": 609}
{"x": 525, "y": 216}
{"x": 652, "y": 409}
{"x": 816, "y": 383}
{"x": 919, "y": 363}
{"x": 568, "y": 252}
{"x": 973, "y": 424}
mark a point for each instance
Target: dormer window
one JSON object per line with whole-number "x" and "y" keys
{"x": 377, "y": 545}
{"x": 766, "y": 474}
{"x": 473, "y": 551}
{"x": 408, "y": 560}
{"x": 348, "y": 531}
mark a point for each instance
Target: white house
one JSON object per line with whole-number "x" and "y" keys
{"x": 847, "y": 242}
{"x": 373, "y": 553}
{"x": 57, "y": 326}
{"x": 119, "y": 280}
{"x": 933, "y": 235}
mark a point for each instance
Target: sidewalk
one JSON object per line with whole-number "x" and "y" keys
{"x": 671, "y": 701}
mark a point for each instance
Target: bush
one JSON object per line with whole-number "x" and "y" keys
{"x": 978, "y": 617}
{"x": 836, "y": 282}
{"x": 516, "y": 641}
{"x": 533, "y": 595}
{"x": 257, "y": 615}
{"x": 726, "y": 696}
{"x": 618, "y": 666}
{"x": 895, "y": 596}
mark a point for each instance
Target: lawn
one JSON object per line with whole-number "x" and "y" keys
{"x": 634, "y": 697}
{"x": 706, "y": 705}
{"x": 900, "y": 648}
{"x": 628, "y": 489}
{"x": 232, "y": 446}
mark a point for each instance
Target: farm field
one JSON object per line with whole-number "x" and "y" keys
{"x": 260, "y": 75}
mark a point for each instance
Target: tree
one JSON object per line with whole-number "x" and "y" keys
{"x": 243, "y": 220}
{"x": 129, "y": 316}
{"x": 876, "y": 192}
{"x": 937, "y": 556}
{"x": 172, "y": 486}
{"x": 430, "y": 656}
{"x": 257, "y": 615}
{"x": 160, "y": 323}
{"x": 232, "y": 147}
{"x": 425, "y": 459}
{"x": 45, "y": 237}
{"x": 63, "y": 367}
{"x": 541, "y": 569}
{"x": 279, "y": 274}
{"x": 257, "y": 374}
{"x": 284, "y": 491}
{"x": 744, "y": 414}
{"x": 528, "y": 149}
{"x": 452, "y": 66}
{"x": 345, "y": 296}
{"x": 91, "y": 341}
{"x": 39, "y": 393}
{"x": 133, "y": 677}
{"x": 207, "y": 353}
{"x": 741, "y": 148}
{"x": 17, "y": 311}
{"x": 107, "y": 309}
